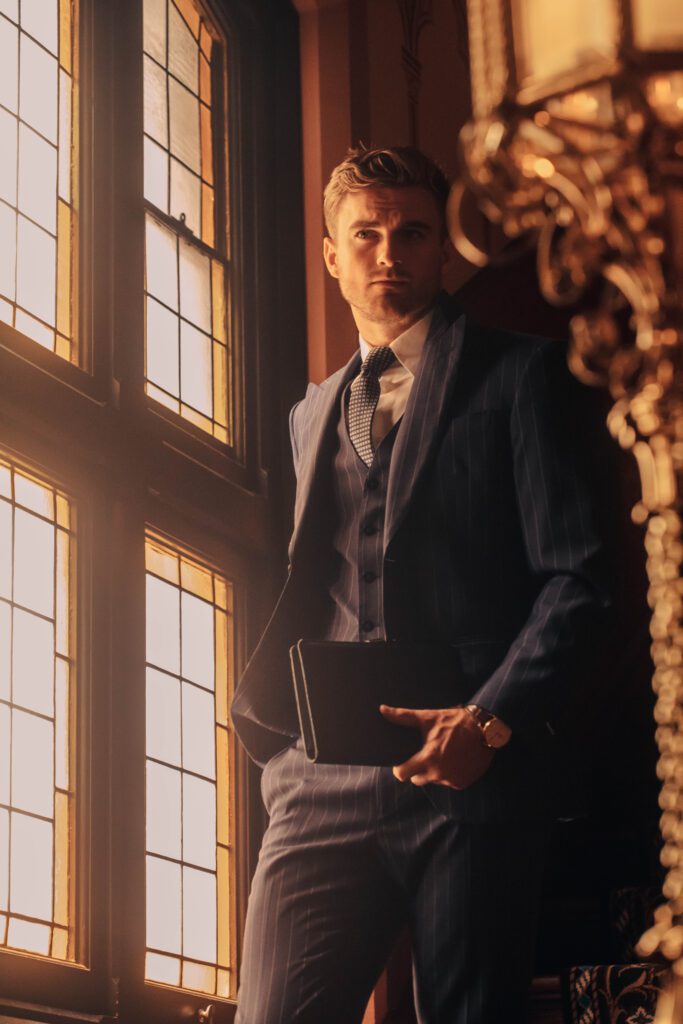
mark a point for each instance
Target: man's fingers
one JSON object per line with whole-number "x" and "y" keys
{"x": 400, "y": 716}
{"x": 431, "y": 776}
{"x": 417, "y": 764}
{"x": 418, "y": 718}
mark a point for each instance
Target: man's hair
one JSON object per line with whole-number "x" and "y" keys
{"x": 396, "y": 167}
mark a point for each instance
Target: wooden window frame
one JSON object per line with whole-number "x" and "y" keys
{"x": 128, "y": 467}
{"x": 227, "y": 222}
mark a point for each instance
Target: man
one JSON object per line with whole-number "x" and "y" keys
{"x": 455, "y": 513}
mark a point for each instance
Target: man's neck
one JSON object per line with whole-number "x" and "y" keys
{"x": 378, "y": 333}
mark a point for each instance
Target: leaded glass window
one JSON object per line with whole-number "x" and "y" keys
{"x": 190, "y": 842}
{"x": 36, "y": 673}
{"x": 39, "y": 171}
{"x": 188, "y": 353}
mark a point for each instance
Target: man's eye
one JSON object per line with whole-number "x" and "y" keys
{"x": 363, "y": 233}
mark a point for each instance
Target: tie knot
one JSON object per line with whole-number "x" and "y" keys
{"x": 377, "y": 360}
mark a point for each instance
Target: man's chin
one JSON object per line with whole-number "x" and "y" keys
{"x": 394, "y": 305}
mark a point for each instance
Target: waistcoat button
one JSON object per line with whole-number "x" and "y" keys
{"x": 372, "y": 483}
{"x": 369, "y": 529}
{"x": 369, "y": 576}
{"x": 367, "y": 626}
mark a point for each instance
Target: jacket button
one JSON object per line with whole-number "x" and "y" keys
{"x": 367, "y": 626}
{"x": 369, "y": 576}
{"x": 369, "y": 529}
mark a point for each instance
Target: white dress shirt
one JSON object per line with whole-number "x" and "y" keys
{"x": 396, "y": 381}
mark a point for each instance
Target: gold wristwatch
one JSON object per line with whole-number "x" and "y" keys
{"x": 494, "y": 732}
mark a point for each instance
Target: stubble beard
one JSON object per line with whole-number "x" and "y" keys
{"x": 386, "y": 307}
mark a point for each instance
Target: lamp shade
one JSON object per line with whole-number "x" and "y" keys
{"x": 657, "y": 25}
{"x": 559, "y": 46}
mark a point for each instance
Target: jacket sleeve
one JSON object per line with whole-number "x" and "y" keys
{"x": 299, "y": 423}
{"x": 539, "y": 680}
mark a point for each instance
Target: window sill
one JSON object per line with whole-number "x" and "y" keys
{"x": 28, "y": 1013}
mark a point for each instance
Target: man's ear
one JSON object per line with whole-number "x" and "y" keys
{"x": 330, "y": 255}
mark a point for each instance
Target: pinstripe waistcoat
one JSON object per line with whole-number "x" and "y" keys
{"x": 489, "y": 541}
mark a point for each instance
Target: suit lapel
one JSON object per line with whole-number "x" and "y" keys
{"x": 427, "y": 405}
{"x": 418, "y": 433}
{"x": 322, "y": 420}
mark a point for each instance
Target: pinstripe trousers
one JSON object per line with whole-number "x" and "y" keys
{"x": 349, "y": 858}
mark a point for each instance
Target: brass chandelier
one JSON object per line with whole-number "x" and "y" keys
{"x": 577, "y": 136}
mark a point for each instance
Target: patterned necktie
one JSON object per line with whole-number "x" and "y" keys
{"x": 363, "y": 400}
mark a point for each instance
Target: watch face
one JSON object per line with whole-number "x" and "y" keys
{"x": 496, "y": 734}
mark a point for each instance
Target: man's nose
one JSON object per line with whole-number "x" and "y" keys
{"x": 388, "y": 253}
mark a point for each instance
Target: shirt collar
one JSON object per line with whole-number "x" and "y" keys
{"x": 408, "y": 346}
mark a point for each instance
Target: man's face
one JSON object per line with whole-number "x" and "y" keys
{"x": 387, "y": 253}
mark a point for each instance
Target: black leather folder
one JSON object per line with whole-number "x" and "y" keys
{"x": 339, "y": 687}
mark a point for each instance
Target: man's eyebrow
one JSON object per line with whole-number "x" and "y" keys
{"x": 376, "y": 223}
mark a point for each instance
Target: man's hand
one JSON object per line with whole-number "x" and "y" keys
{"x": 453, "y": 752}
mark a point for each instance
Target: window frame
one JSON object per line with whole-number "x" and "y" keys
{"x": 49, "y": 981}
{"x": 227, "y": 220}
{"x": 93, "y": 430}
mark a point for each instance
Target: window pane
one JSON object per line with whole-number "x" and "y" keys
{"x": 162, "y": 347}
{"x": 162, "y": 263}
{"x": 155, "y": 29}
{"x": 28, "y": 936}
{"x": 5, "y": 549}
{"x": 33, "y": 648}
{"x": 198, "y": 719}
{"x": 40, "y": 20}
{"x": 185, "y": 196}
{"x": 199, "y": 914}
{"x": 165, "y": 969}
{"x": 189, "y": 807}
{"x": 195, "y": 286}
{"x": 184, "y": 123}
{"x": 36, "y": 254}
{"x": 180, "y": 355}
{"x": 8, "y": 164}
{"x": 181, "y": 50}
{"x": 196, "y": 369}
{"x": 36, "y": 829}
{"x": 32, "y": 778}
{"x": 38, "y": 88}
{"x": 31, "y": 872}
{"x": 39, "y": 153}
{"x": 197, "y": 627}
{"x": 4, "y": 856}
{"x": 163, "y": 810}
{"x": 8, "y": 251}
{"x": 163, "y": 717}
{"x": 34, "y": 554}
{"x": 5, "y": 752}
{"x": 37, "y": 179}
{"x": 9, "y": 65}
{"x": 156, "y": 175}
{"x": 156, "y": 115}
{"x": 163, "y": 622}
{"x": 199, "y": 822}
{"x": 164, "y": 915}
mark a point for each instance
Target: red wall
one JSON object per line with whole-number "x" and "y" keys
{"x": 392, "y": 72}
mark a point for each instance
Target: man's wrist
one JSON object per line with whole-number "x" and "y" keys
{"x": 494, "y": 731}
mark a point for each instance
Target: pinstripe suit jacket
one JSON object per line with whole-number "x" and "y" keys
{"x": 490, "y": 543}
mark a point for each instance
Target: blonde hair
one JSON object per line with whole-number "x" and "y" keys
{"x": 396, "y": 167}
